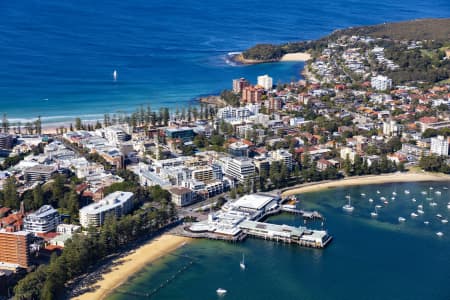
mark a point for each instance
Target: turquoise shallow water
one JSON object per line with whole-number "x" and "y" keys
{"x": 57, "y": 57}
{"x": 368, "y": 258}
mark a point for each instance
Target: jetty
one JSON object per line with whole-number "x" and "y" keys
{"x": 244, "y": 218}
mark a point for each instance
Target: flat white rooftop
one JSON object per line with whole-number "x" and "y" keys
{"x": 256, "y": 202}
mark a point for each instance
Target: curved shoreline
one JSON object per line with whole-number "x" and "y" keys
{"x": 366, "y": 180}
{"x": 238, "y": 58}
{"x": 125, "y": 267}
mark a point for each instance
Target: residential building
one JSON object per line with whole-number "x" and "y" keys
{"x": 240, "y": 169}
{"x": 251, "y": 94}
{"x": 284, "y": 156}
{"x": 439, "y": 145}
{"x": 240, "y": 84}
{"x": 182, "y": 196}
{"x": 238, "y": 149}
{"x": 116, "y": 204}
{"x": 204, "y": 173}
{"x": 381, "y": 83}
{"x": 39, "y": 173}
{"x": 265, "y": 81}
{"x": 15, "y": 249}
{"x": 44, "y": 220}
{"x": 116, "y": 135}
{"x": 6, "y": 141}
{"x": 392, "y": 128}
{"x": 186, "y": 134}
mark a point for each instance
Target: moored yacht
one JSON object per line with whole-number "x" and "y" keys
{"x": 348, "y": 207}
{"x": 221, "y": 291}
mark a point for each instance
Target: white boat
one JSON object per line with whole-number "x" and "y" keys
{"x": 413, "y": 200}
{"x": 426, "y": 222}
{"x": 439, "y": 216}
{"x": 420, "y": 206}
{"x": 378, "y": 192}
{"x": 439, "y": 233}
{"x": 374, "y": 214}
{"x": 401, "y": 219}
{"x": 348, "y": 207}
{"x": 433, "y": 203}
{"x": 421, "y": 212}
{"x": 394, "y": 193}
{"x": 221, "y": 291}
{"x": 386, "y": 202}
{"x": 378, "y": 206}
{"x": 424, "y": 192}
{"x": 242, "y": 263}
{"x": 430, "y": 187}
{"x": 413, "y": 214}
{"x": 392, "y": 198}
{"x": 115, "y": 75}
{"x": 407, "y": 192}
{"x": 448, "y": 206}
{"x": 383, "y": 198}
{"x": 363, "y": 195}
{"x": 445, "y": 188}
{"x": 438, "y": 192}
{"x": 371, "y": 200}
{"x": 444, "y": 221}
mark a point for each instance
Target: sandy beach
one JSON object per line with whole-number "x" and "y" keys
{"x": 366, "y": 180}
{"x": 299, "y": 56}
{"x": 127, "y": 266}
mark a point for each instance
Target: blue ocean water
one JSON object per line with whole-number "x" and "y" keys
{"x": 368, "y": 259}
{"x": 57, "y": 57}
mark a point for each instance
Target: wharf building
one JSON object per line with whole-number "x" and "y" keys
{"x": 44, "y": 220}
{"x": 14, "y": 249}
{"x": 116, "y": 204}
{"x": 241, "y": 218}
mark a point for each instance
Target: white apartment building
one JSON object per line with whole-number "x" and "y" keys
{"x": 116, "y": 135}
{"x": 116, "y": 204}
{"x": 381, "y": 83}
{"x": 265, "y": 81}
{"x": 284, "y": 156}
{"x": 239, "y": 168}
{"x": 44, "y": 220}
{"x": 439, "y": 145}
{"x": 392, "y": 128}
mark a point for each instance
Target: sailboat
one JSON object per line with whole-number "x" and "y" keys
{"x": 221, "y": 291}
{"x": 242, "y": 263}
{"x": 374, "y": 214}
{"x": 348, "y": 207}
{"x": 115, "y": 75}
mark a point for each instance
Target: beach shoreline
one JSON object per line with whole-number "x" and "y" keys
{"x": 366, "y": 180}
{"x": 238, "y": 58}
{"x": 124, "y": 267}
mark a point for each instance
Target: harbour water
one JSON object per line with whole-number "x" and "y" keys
{"x": 58, "y": 57}
{"x": 368, "y": 258}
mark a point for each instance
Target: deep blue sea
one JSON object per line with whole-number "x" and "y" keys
{"x": 368, "y": 259}
{"x": 57, "y": 57}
